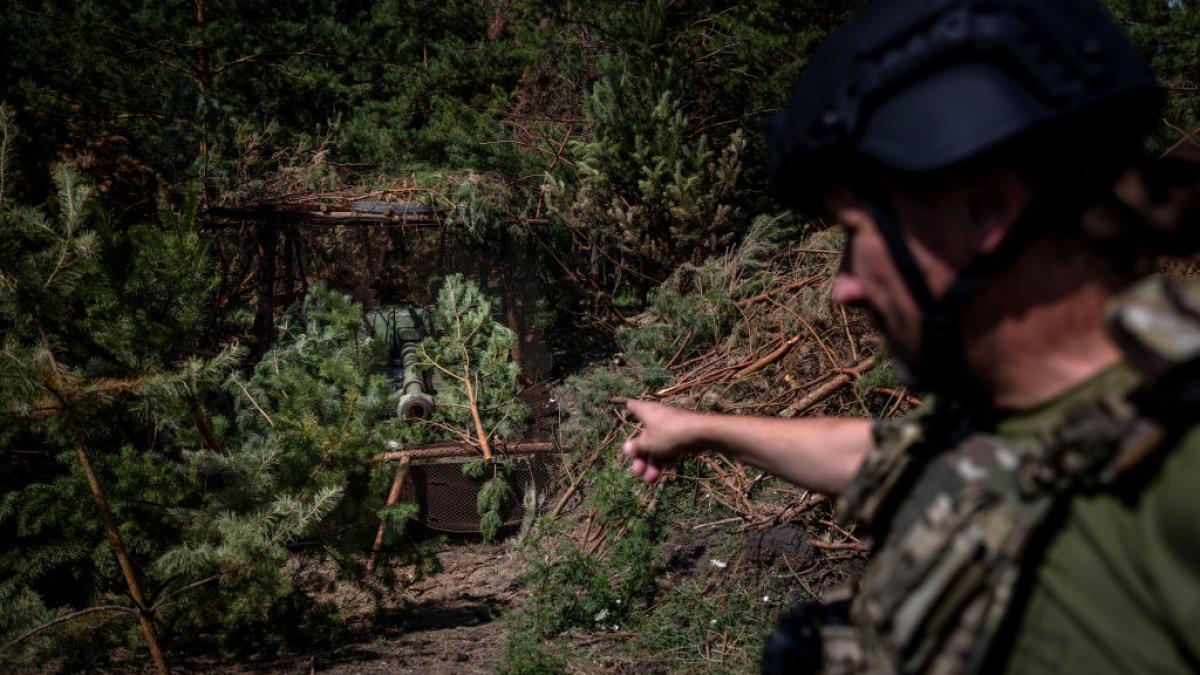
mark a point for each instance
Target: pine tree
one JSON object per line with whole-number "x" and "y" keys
{"x": 479, "y": 391}
{"x": 297, "y": 463}
{"x": 61, "y": 380}
{"x": 203, "y": 479}
{"x": 479, "y": 398}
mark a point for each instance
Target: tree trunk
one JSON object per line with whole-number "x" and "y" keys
{"x": 203, "y": 76}
{"x": 204, "y": 428}
{"x": 484, "y": 445}
{"x": 267, "y": 238}
{"x": 123, "y": 560}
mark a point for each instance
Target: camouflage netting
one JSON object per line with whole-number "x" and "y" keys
{"x": 384, "y": 250}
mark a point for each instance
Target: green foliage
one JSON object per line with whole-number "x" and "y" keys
{"x": 397, "y": 518}
{"x": 701, "y": 299}
{"x": 474, "y": 101}
{"x": 480, "y": 205}
{"x": 469, "y": 353}
{"x": 524, "y": 655}
{"x": 695, "y": 309}
{"x": 715, "y": 612}
{"x": 89, "y": 368}
{"x": 882, "y": 374}
{"x": 220, "y": 472}
{"x": 493, "y": 496}
{"x": 619, "y": 584}
{"x": 307, "y": 422}
{"x": 1168, "y": 35}
{"x": 646, "y": 193}
{"x": 571, "y": 588}
{"x": 479, "y": 392}
{"x": 213, "y": 478}
{"x": 401, "y": 82}
{"x": 590, "y": 394}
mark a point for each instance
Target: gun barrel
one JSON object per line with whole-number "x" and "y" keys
{"x": 415, "y": 403}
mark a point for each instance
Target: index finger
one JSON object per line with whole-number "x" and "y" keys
{"x": 636, "y": 407}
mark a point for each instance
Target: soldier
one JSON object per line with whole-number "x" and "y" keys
{"x": 1040, "y": 515}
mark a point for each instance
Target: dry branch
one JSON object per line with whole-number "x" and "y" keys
{"x": 837, "y": 382}
{"x": 587, "y": 464}
{"x": 770, "y": 358}
{"x": 838, "y": 545}
{"x": 795, "y": 285}
{"x": 120, "y": 609}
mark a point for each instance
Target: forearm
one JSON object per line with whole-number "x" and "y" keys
{"x": 819, "y": 453}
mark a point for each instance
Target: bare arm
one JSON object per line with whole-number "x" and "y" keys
{"x": 820, "y": 453}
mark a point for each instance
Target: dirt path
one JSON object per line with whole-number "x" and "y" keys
{"x": 446, "y": 623}
{"x": 452, "y": 627}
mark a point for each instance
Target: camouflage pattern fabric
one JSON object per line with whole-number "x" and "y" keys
{"x": 953, "y": 527}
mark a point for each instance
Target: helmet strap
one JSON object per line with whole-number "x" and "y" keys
{"x": 943, "y": 363}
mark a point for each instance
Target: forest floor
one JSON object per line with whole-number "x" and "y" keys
{"x": 445, "y": 622}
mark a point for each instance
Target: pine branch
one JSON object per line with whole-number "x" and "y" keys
{"x": 167, "y": 597}
{"x": 431, "y": 361}
{"x": 467, "y": 438}
{"x": 65, "y": 618}
{"x": 254, "y": 403}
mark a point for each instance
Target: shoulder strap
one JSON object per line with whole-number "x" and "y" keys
{"x": 1157, "y": 324}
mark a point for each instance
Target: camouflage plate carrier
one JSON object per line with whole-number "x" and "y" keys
{"x": 953, "y": 528}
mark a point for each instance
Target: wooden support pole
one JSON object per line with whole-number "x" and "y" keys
{"x": 266, "y": 236}
{"x": 440, "y": 451}
{"x": 392, "y": 498}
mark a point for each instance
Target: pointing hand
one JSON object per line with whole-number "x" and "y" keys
{"x": 667, "y": 434}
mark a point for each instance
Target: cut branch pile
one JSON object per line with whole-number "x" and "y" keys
{"x": 792, "y": 352}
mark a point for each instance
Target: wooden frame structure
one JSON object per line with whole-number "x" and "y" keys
{"x": 433, "y": 453}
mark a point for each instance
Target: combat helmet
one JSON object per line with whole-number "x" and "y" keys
{"x": 917, "y": 87}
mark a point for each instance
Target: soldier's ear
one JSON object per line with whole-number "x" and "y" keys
{"x": 997, "y": 198}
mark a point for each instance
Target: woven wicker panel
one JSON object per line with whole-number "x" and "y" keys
{"x": 447, "y": 497}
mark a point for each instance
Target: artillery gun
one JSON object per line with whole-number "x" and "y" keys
{"x": 402, "y": 327}
{"x": 432, "y": 475}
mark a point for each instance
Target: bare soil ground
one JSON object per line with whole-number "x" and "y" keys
{"x": 444, "y": 623}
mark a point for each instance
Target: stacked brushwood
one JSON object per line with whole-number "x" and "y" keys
{"x": 751, "y": 332}
{"x": 767, "y": 341}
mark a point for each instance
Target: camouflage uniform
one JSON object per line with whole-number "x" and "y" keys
{"x": 977, "y": 531}
{"x": 957, "y": 532}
